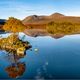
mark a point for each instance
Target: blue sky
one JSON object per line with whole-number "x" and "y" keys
{"x": 23, "y": 8}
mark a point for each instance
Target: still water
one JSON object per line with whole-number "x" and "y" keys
{"x": 54, "y": 59}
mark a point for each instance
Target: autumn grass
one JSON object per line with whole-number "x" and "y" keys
{"x": 63, "y": 28}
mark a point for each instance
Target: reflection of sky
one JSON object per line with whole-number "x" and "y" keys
{"x": 23, "y": 8}
{"x": 55, "y": 58}
{"x": 4, "y": 35}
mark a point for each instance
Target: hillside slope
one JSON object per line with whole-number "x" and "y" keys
{"x": 56, "y": 17}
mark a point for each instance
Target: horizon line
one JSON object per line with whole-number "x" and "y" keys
{"x": 42, "y": 15}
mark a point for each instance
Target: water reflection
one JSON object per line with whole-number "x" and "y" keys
{"x": 56, "y": 59}
{"x": 16, "y": 70}
{"x": 15, "y": 49}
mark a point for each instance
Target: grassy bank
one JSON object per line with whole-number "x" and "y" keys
{"x": 63, "y": 28}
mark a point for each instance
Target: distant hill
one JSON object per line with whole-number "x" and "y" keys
{"x": 57, "y": 15}
{"x": 2, "y": 21}
{"x": 36, "y": 20}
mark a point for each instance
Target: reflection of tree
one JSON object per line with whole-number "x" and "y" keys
{"x": 16, "y": 68}
{"x": 14, "y": 46}
{"x": 14, "y": 71}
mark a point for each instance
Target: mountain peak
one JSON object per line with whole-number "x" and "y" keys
{"x": 57, "y": 15}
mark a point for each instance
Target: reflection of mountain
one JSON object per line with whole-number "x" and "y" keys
{"x": 15, "y": 71}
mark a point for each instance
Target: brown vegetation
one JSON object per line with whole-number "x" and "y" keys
{"x": 13, "y": 25}
{"x": 63, "y": 28}
{"x": 40, "y": 22}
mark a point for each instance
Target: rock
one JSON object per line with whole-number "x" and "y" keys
{"x": 36, "y": 49}
{"x": 20, "y": 51}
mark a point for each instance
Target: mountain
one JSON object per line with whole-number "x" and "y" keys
{"x": 2, "y": 21}
{"x": 57, "y": 15}
{"x": 34, "y": 18}
{"x": 40, "y": 21}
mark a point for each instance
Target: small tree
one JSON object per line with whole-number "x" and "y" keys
{"x": 14, "y": 25}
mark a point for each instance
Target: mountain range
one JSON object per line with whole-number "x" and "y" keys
{"x": 56, "y": 17}
{"x": 41, "y": 21}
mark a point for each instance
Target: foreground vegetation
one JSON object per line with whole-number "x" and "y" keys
{"x": 63, "y": 28}
{"x": 12, "y": 44}
{"x": 13, "y": 25}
